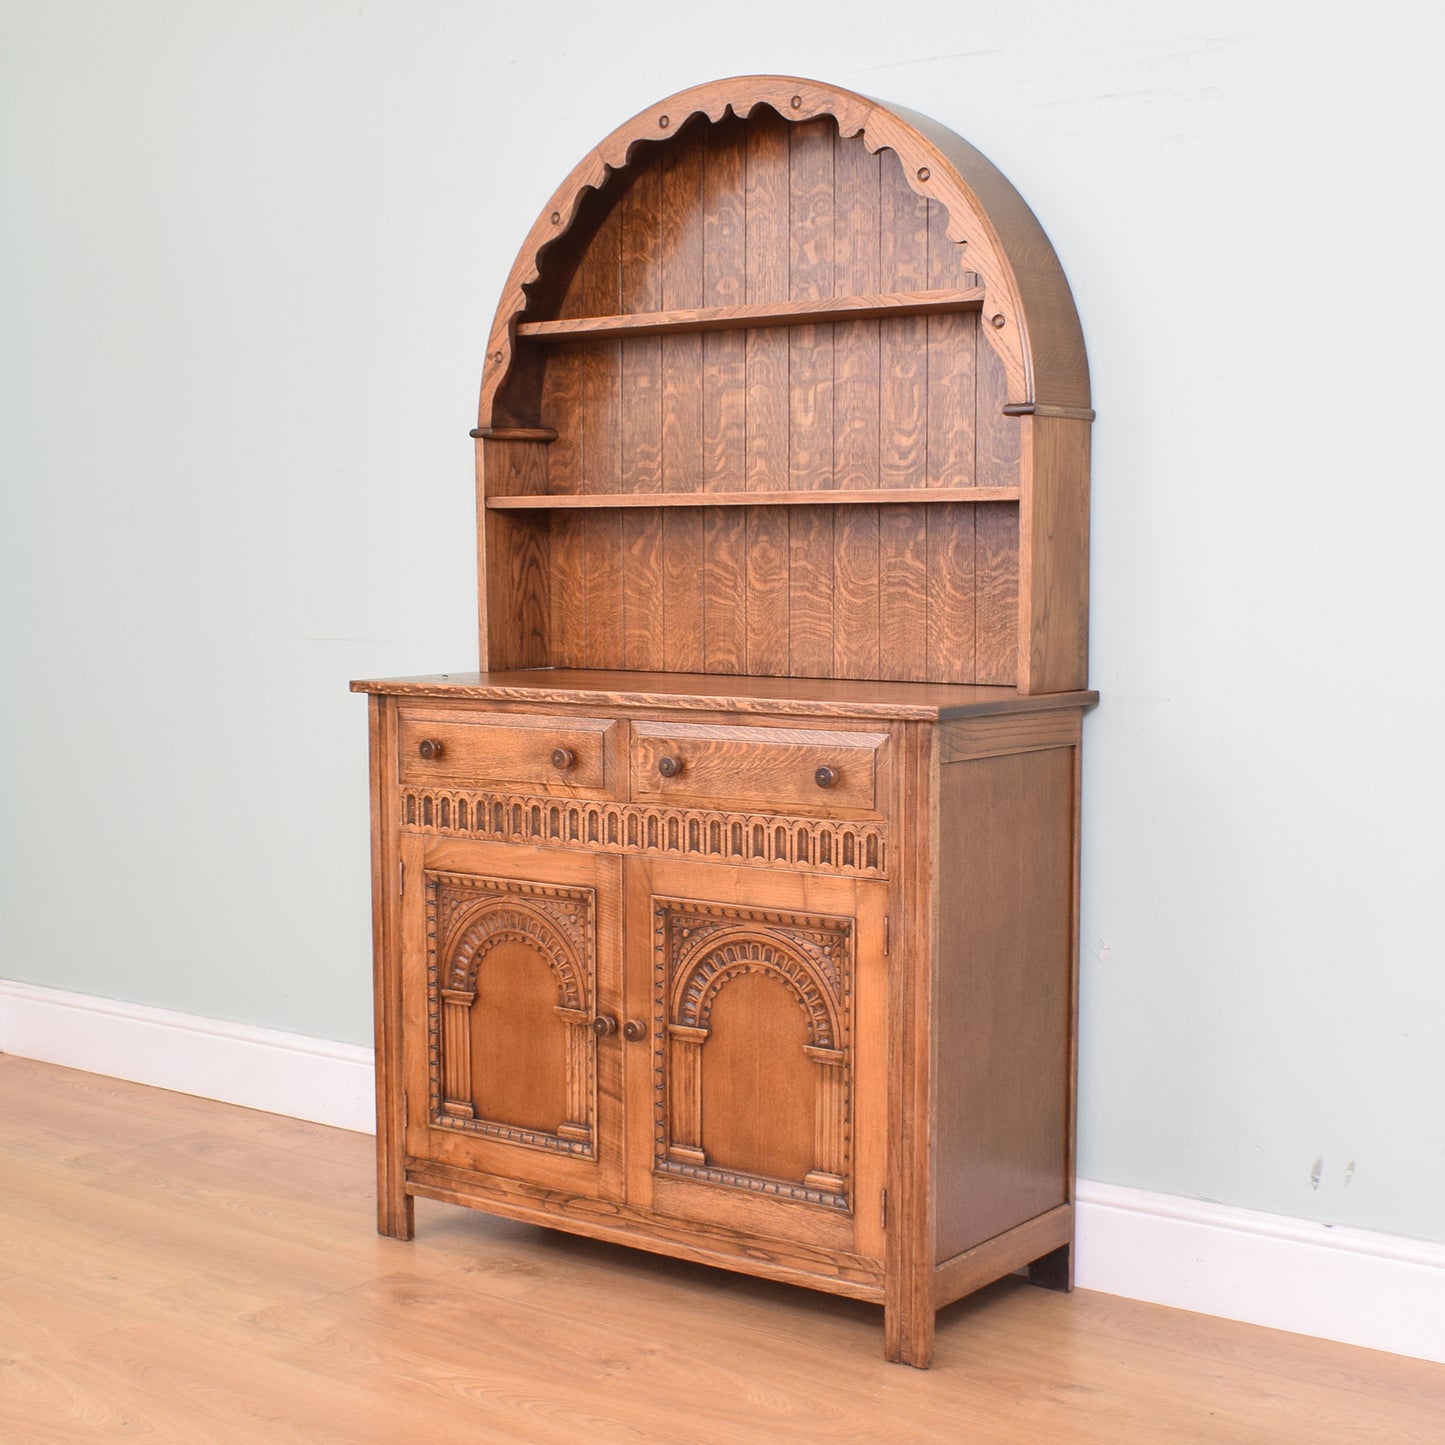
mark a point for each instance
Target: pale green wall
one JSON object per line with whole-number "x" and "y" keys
{"x": 248, "y": 260}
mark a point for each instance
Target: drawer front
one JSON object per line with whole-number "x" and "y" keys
{"x": 546, "y": 754}
{"x": 776, "y": 769}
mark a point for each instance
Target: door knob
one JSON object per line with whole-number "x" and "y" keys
{"x": 603, "y": 1025}
{"x": 826, "y": 777}
{"x": 632, "y": 1031}
{"x": 430, "y": 749}
{"x": 669, "y": 767}
{"x": 563, "y": 758}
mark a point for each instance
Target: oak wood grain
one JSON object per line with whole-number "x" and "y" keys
{"x": 724, "y": 401}
{"x": 811, "y": 193}
{"x": 856, "y": 422}
{"x": 515, "y": 612}
{"x": 767, "y": 396}
{"x": 1054, "y": 554}
{"x": 682, "y": 268}
{"x": 602, "y": 561}
{"x": 951, "y": 348}
{"x": 996, "y": 463}
{"x": 642, "y": 421}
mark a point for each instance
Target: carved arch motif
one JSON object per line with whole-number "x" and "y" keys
{"x": 506, "y": 919}
{"x": 721, "y": 958}
{"x": 1024, "y": 286}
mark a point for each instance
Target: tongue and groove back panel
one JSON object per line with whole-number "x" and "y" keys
{"x": 744, "y": 212}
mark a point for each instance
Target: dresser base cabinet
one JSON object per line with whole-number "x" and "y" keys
{"x": 829, "y": 1042}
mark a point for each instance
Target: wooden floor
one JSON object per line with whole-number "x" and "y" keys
{"x": 173, "y": 1269}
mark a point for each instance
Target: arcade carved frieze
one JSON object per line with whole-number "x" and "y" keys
{"x": 823, "y": 845}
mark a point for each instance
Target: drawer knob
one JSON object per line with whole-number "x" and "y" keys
{"x": 826, "y": 777}
{"x": 669, "y": 766}
{"x": 633, "y": 1031}
{"x": 430, "y": 749}
{"x": 603, "y": 1025}
{"x": 563, "y": 758}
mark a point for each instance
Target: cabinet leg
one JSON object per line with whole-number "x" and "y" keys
{"x": 396, "y": 1216}
{"x": 1055, "y": 1270}
{"x": 908, "y": 1334}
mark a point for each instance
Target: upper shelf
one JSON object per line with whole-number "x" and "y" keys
{"x": 755, "y": 315}
{"x": 822, "y": 497}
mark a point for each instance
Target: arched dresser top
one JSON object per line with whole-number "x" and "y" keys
{"x": 1034, "y": 325}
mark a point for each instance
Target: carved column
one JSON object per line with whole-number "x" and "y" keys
{"x": 581, "y": 1042}
{"x": 457, "y": 1052}
{"x": 831, "y": 1146}
{"x": 684, "y": 1076}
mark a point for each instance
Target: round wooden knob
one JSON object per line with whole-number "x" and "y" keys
{"x": 632, "y": 1031}
{"x": 563, "y": 758}
{"x": 430, "y": 749}
{"x": 603, "y": 1025}
{"x": 826, "y": 777}
{"x": 669, "y": 767}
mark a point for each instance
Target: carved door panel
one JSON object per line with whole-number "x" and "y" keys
{"x": 758, "y": 1103}
{"x": 510, "y": 956}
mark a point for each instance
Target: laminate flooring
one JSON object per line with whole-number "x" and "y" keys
{"x": 178, "y": 1270}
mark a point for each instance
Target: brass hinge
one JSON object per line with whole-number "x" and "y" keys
{"x": 887, "y": 933}
{"x": 883, "y": 1209}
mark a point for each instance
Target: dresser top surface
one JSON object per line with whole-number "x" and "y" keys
{"x": 810, "y": 697}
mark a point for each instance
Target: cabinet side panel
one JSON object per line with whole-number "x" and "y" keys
{"x": 1054, "y": 555}
{"x": 1002, "y": 1034}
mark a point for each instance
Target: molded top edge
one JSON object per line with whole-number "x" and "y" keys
{"x": 816, "y": 697}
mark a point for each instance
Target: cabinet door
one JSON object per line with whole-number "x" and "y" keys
{"x": 758, "y": 1103}
{"x": 510, "y": 956}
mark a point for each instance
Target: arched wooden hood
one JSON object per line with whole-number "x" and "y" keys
{"x": 1027, "y": 310}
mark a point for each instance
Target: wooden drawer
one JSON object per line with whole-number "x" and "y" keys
{"x": 514, "y": 750}
{"x": 773, "y": 769}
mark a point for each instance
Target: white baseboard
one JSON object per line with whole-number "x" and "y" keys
{"x": 1382, "y": 1291}
{"x": 281, "y": 1073}
{"x": 1376, "y": 1290}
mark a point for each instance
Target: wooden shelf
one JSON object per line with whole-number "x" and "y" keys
{"x": 754, "y": 315}
{"x": 513, "y": 433}
{"x": 821, "y": 498}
